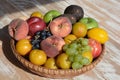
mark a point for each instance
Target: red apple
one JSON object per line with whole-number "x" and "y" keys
{"x": 52, "y": 45}
{"x": 60, "y": 26}
{"x": 96, "y": 47}
{"x": 35, "y": 24}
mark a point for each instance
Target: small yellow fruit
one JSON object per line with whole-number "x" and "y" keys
{"x": 69, "y": 38}
{"x": 79, "y": 29}
{"x": 98, "y": 34}
{"x": 50, "y": 63}
{"x": 62, "y": 61}
{"x": 88, "y": 55}
{"x": 37, "y": 57}
{"x": 37, "y": 14}
{"x": 23, "y": 46}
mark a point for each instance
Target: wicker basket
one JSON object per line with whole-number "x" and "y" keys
{"x": 52, "y": 73}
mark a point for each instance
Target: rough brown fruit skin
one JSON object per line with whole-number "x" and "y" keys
{"x": 75, "y": 10}
{"x": 52, "y": 45}
{"x": 18, "y": 29}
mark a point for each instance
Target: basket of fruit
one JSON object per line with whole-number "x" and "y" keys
{"x": 58, "y": 45}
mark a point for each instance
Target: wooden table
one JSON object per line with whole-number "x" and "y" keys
{"x": 106, "y": 12}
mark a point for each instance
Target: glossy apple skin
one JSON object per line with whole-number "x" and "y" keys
{"x": 89, "y": 22}
{"x": 50, "y": 15}
{"x": 35, "y": 24}
{"x": 61, "y": 26}
{"x": 96, "y": 47}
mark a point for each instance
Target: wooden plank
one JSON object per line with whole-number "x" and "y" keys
{"x": 106, "y": 12}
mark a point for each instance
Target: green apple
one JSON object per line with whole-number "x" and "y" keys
{"x": 50, "y": 63}
{"x": 89, "y": 22}
{"x": 63, "y": 62}
{"x": 50, "y": 15}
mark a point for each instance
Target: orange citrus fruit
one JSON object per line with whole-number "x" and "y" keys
{"x": 98, "y": 34}
{"x": 69, "y": 38}
{"x": 79, "y": 29}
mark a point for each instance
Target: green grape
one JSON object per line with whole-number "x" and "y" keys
{"x": 84, "y": 42}
{"x": 85, "y": 61}
{"x": 71, "y": 58}
{"x": 71, "y": 51}
{"x": 79, "y": 50}
{"x": 79, "y": 45}
{"x": 73, "y": 45}
{"x": 80, "y": 40}
{"x": 76, "y": 65}
{"x": 77, "y": 58}
{"x": 65, "y": 47}
{"x": 82, "y": 49}
{"x": 87, "y": 48}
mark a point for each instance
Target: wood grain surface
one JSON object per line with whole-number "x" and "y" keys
{"x": 106, "y": 12}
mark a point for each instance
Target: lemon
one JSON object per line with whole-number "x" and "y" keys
{"x": 37, "y": 14}
{"x": 98, "y": 34}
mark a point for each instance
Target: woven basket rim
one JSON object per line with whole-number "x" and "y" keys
{"x": 55, "y": 73}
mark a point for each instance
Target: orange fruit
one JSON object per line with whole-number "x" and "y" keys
{"x": 98, "y": 34}
{"x": 79, "y": 29}
{"x": 23, "y": 46}
{"x": 88, "y": 55}
{"x": 69, "y": 38}
{"x": 37, "y": 57}
{"x": 37, "y": 14}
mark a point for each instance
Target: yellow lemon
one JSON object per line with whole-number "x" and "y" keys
{"x": 98, "y": 34}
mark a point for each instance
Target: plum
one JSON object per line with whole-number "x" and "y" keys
{"x": 75, "y": 10}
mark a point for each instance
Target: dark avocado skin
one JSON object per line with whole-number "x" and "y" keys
{"x": 75, "y": 10}
{"x": 70, "y": 17}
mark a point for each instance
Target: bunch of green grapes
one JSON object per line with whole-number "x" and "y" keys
{"x": 75, "y": 50}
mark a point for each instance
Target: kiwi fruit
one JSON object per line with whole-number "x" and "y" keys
{"x": 75, "y": 10}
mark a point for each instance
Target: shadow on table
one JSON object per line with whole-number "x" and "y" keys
{"x": 5, "y": 38}
{"x": 12, "y": 6}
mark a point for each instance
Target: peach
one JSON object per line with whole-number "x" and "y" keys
{"x": 52, "y": 45}
{"x": 18, "y": 29}
{"x": 60, "y": 26}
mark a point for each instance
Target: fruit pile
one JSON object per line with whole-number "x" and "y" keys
{"x": 58, "y": 41}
